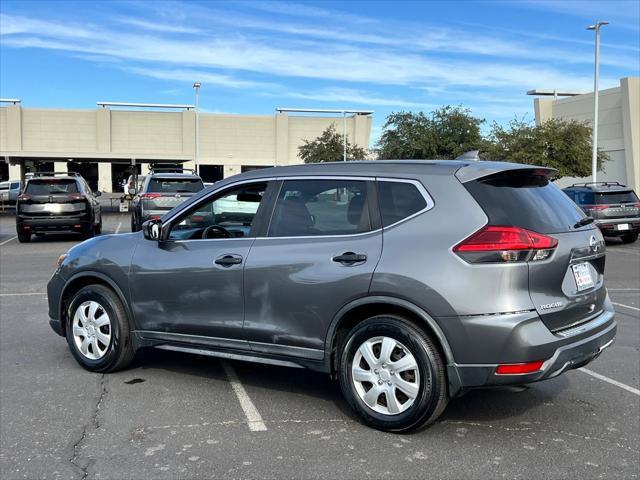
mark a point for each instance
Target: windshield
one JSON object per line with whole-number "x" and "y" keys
{"x": 616, "y": 197}
{"x": 52, "y": 186}
{"x": 175, "y": 185}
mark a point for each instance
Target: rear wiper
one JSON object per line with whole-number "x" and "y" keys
{"x": 583, "y": 222}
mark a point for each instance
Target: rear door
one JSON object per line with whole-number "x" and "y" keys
{"x": 323, "y": 244}
{"x": 568, "y": 287}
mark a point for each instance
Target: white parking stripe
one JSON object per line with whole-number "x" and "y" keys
{"x": 627, "y": 306}
{"x": 254, "y": 420}
{"x": 635, "y": 391}
{"x": 8, "y": 240}
{"x": 118, "y": 227}
{"x": 21, "y": 294}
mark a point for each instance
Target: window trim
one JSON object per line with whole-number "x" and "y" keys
{"x": 277, "y": 182}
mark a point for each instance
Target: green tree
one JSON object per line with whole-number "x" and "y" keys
{"x": 443, "y": 134}
{"x": 563, "y": 145}
{"x": 329, "y": 147}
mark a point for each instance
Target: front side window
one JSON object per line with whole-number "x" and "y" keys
{"x": 229, "y": 215}
{"x": 321, "y": 207}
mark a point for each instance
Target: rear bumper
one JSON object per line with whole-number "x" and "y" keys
{"x": 53, "y": 223}
{"x": 572, "y": 348}
{"x": 610, "y": 227}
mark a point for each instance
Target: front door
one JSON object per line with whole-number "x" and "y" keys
{"x": 189, "y": 288}
{"x": 322, "y": 247}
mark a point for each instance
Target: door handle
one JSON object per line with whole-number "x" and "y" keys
{"x": 228, "y": 260}
{"x": 350, "y": 258}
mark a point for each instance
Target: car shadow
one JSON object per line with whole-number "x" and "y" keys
{"x": 480, "y": 405}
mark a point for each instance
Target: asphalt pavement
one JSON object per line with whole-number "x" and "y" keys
{"x": 177, "y": 415}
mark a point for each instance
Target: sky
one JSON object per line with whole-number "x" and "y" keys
{"x": 254, "y": 56}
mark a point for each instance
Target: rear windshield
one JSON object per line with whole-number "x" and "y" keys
{"x": 524, "y": 199}
{"x": 615, "y": 197}
{"x": 52, "y": 186}
{"x": 175, "y": 185}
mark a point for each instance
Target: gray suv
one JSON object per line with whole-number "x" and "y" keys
{"x": 409, "y": 281}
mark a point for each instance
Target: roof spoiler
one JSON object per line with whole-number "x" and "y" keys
{"x": 470, "y": 155}
{"x": 475, "y": 171}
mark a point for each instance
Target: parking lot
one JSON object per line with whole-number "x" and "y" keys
{"x": 177, "y": 415}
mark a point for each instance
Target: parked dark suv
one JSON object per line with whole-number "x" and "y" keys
{"x": 57, "y": 202}
{"x": 161, "y": 191}
{"x": 410, "y": 281}
{"x": 614, "y": 207}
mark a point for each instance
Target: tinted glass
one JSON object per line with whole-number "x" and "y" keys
{"x": 175, "y": 185}
{"x": 232, "y": 213}
{"x": 582, "y": 197}
{"x": 15, "y": 185}
{"x": 399, "y": 200}
{"x": 321, "y": 207}
{"x": 51, "y": 186}
{"x": 524, "y": 199}
{"x": 616, "y": 197}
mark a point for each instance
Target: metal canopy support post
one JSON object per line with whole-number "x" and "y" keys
{"x": 344, "y": 135}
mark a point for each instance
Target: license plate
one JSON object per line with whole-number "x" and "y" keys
{"x": 623, "y": 226}
{"x": 582, "y": 275}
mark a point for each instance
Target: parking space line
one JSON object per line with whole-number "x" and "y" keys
{"x": 635, "y": 391}
{"x": 118, "y": 227}
{"x": 22, "y": 294}
{"x": 8, "y": 240}
{"x": 254, "y": 420}
{"x": 627, "y": 306}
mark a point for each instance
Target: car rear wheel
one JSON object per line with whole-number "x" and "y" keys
{"x": 97, "y": 330}
{"x": 24, "y": 237}
{"x": 629, "y": 238}
{"x": 392, "y": 374}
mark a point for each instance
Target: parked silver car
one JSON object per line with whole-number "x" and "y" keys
{"x": 9, "y": 192}
{"x": 409, "y": 281}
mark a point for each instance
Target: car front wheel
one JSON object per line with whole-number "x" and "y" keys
{"x": 392, "y": 374}
{"x": 97, "y": 330}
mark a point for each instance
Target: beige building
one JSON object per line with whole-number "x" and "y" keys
{"x": 618, "y": 128}
{"x": 102, "y": 144}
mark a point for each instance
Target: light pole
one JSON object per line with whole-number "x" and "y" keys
{"x": 594, "y": 152}
{"x": 196, "y": 86}
{"x": 344, "y": 135}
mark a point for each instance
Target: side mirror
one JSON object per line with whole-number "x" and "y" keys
{"x": 132, "y": 191}
{"x": 152, "y": 229}
{"x": 98, "y": 193}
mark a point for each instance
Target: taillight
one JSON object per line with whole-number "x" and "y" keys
{"x": 24, "y": 197}
{"x": 500, "y": 244}
{"x": 594, "y": 207}
{"x": 150, "y": 195}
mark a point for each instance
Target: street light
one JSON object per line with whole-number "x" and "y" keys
{"x": 594, "y": 152}
{"x": 197, "y": 86}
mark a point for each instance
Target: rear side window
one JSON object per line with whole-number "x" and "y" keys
{"x": 524, "y": 199}
{"x": 615, "y": 197}
{"x": 175, "y": 185}
{"x": 51, "y": 186}
{"x": 399, "y": 200}
{"x": 321, "y": 207}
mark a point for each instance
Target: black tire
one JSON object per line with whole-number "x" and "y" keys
{"x": 432, "y": 397}
{"x": 120, "y": 352}
{"x": 629, "y": 238}
{"x": 89, "y": 233}
{"x": 98, "y": 228}
{"x": 134, "y": 227}
{"x": 24, "y": 237}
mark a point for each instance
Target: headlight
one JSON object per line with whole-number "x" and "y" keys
{"x": 61, "y": 259}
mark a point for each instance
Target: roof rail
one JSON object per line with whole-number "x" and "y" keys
{"x": 470, "y": 155}
{"x": 171, "y": 169}
{"x": 51, "y": 174}
{"x": 604, "y": 184}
